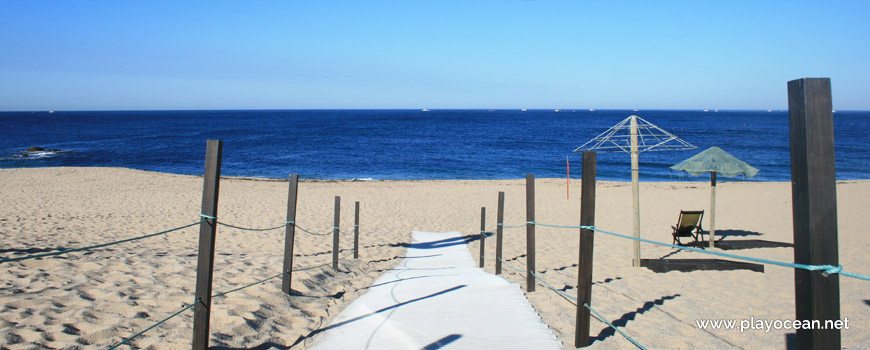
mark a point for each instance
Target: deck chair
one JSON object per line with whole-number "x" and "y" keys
{"x": 689, "y": 225}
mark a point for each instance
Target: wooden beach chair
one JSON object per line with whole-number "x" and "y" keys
{"x": 689, "y": 225}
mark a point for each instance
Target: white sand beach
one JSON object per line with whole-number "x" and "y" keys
{"x": 93, "y": 299}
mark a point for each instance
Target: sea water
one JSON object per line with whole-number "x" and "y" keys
{"x": 407, "y": 144}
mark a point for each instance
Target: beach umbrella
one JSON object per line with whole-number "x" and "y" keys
{"x": 634, "y": 135}
{"x": 714, "y": 161}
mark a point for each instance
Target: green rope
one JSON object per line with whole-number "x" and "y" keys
{"x": 208, "y": 216}
{"x": 253, "y": 229}
{"x": 312, "y": 233}
{"x": 322, "y": 265}
{"x": 560, "y": 226}
{"x": 553, "y": 288}
{"x": 156, "y": 324}
{"x": 601, "y": 318}
{"x": 96, "y": 246}
{"x": 246, "y": 286}
{"x": 505, "y": 226}
{"x": 827, "y": 269}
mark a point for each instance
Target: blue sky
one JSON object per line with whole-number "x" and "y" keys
{"x": 116, "y": 55}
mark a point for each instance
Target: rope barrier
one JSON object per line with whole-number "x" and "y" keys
{"x": 155, "y": 325}
{"x": 253, "y": 229}
{"x": 827, "y": 269}
{"x": 505, "y": 226}
{"x": 601, "y": 318}
{"x": 312, "y": 233}
{"x": 246, "y": 286}
{"x": 553, "y": 288}
{"x": 96, "y": 246}
{"x": 565, "y": 295}
{"x": 322, "y": 265}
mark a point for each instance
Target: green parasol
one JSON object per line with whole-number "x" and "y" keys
{"x": 714, "y": 161}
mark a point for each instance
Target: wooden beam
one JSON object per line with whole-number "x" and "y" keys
{"x": 336, "y": 223}
{"x": 635, "y": 190}
{"x": 530, "y": 232}
{"x": 207, "y": 234}
{"x": 584, "y": 274}
{"x": 482, "y": 234}
{"x": 499, "y": 229}
{"x": 356, "y": 231}
{"x": 814, "y": 208}
{"x": 290, "y": 233}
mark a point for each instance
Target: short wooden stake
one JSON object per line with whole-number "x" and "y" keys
{"x": 584, "y": 275}
{"x": 356, "y": 230}
{"x": 482, "y": 234}
{"x": 499, "y": 229}
{"x": 290, "y": 233}
{"x": 814, "y": 209}
{"x": 335, "y": 232}
{"x": 207, "y": 233}
{"x": 530, "y": 232}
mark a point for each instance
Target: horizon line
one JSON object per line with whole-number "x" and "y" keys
{"x": 555, "y": 110}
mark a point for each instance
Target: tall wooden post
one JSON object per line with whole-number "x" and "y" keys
{"x": 482, "y": 234}
{"x": 207, "y": 232}
{"x": 356, "y": 230}
{"x": 814, "y": 208}
{"x": 635, "y": 191}
{"x": 290, "y": 233}
{"x": 584, "y": 275}
{"x": 335, "y": 232}
{"x": 530, "y": 232}
{"x": 712, "y": 208}
{"x": 499, "y": 229}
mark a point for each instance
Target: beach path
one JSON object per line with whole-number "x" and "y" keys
{"x": 436, "y": 298}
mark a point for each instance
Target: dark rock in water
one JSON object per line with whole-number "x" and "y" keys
{"x": 35, "y": 149}
{"x": 21, "y": 155}
{"x": 53, "y": 150}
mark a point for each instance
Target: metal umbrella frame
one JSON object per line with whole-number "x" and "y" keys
{"x": 715, "y": 161}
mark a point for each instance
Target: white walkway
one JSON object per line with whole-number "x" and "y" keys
{"x": 437, "y": 298}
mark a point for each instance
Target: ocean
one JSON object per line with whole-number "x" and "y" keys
{"x": 407, "y": 144}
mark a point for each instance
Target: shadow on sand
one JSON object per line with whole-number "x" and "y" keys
{"x": 321, "y": 330}
{"x": 622, "y": 321}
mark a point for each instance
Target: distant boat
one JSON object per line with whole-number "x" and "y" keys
{"x": 833, "y": 111}
{"x": 706, "y": 110}
{"x": 558, "y": 110}
{"x": 635, "y": 109}
{"x": 50, "y": 111}
{"x": 523, "y": 110}
{"x": 425, "y": 109}
{"x": 716, "y": 110}
{"x": 592, "y": 109}
{"x": 770, "y": 110}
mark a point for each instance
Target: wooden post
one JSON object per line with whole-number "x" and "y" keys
{"x": 482, "y": 234}
{"x": 207, "y": 232}
{"x": 530, "y": 232}
{"x": 584, "y": 275}
{"x": 356, "y": 230}
{"x": 290, "y": 233}
{"x": 712, "y": 208}
{"x": 635, "y": 191}
{"x": 335, "y": 232}
{"x": 814, "y": 209}
{"x": 499, "y": 230}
